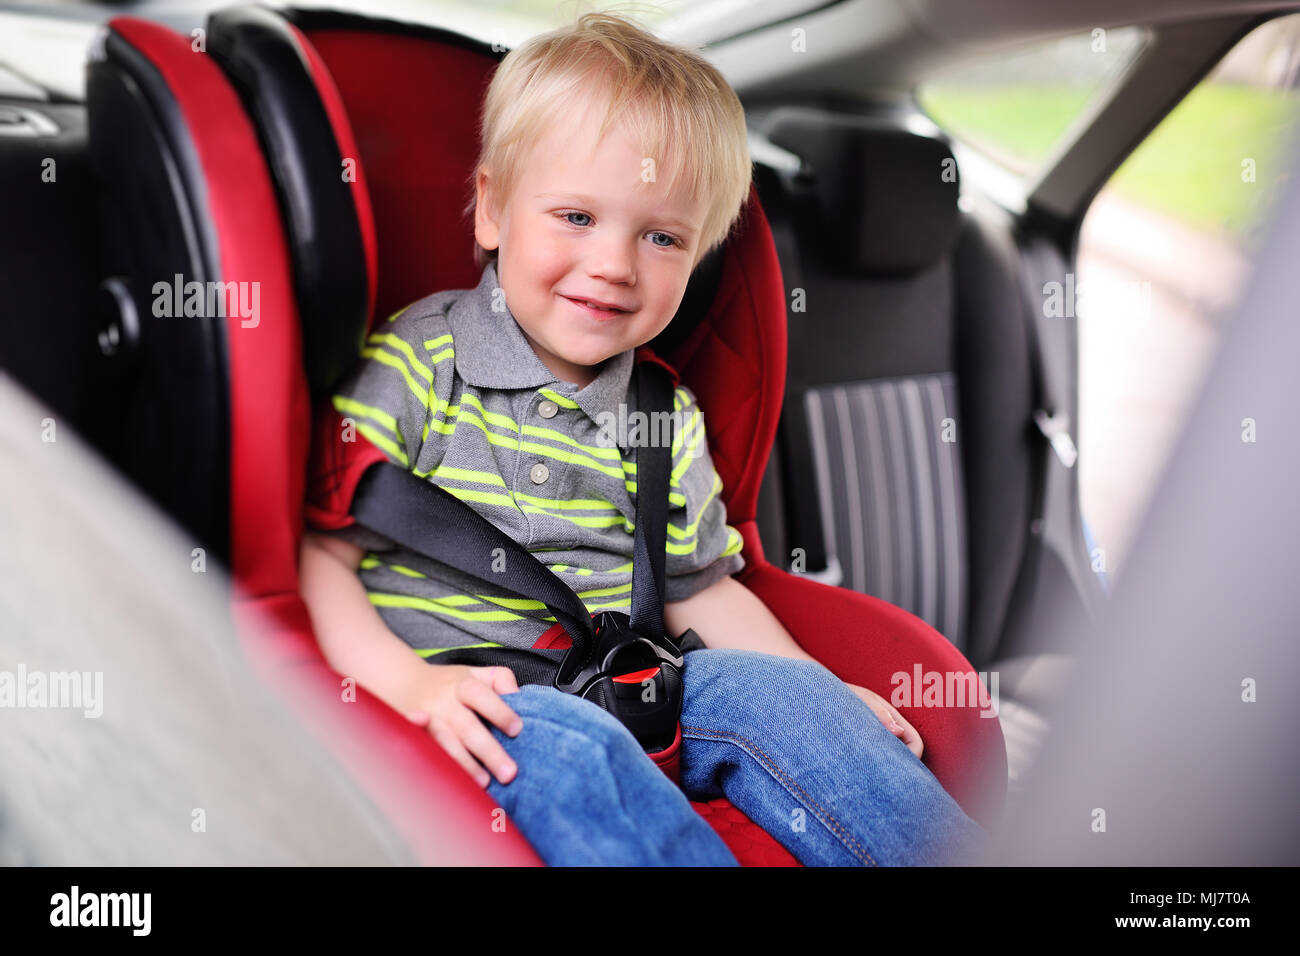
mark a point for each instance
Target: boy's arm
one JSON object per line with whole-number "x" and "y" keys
{"x": 353, "y": 637}
{"x": 728, "y": 614}
{"x": 449, "y": 698}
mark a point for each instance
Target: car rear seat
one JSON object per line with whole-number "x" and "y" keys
{"x": 907, "y": 444}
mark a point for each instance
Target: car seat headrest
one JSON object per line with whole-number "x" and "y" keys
{"x": 308, "y": 141}
{"x": 881, "y": 200}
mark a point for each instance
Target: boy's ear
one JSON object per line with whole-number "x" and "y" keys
{"x": 486, "y": 229}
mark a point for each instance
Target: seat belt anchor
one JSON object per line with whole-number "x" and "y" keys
{"x": 1056, "y": 429}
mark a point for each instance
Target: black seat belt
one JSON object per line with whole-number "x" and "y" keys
{"x": 1048, "y": 380}
{"x": 428, "y": 520}
{"x": 803, "y": 503}
{"x": 650, "y": 539}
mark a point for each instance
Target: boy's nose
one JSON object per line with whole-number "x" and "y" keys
{"x": 613, "y": 262}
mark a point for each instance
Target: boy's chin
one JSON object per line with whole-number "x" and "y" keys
{"x": 593, "y": 361}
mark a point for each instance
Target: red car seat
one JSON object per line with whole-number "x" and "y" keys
{"x": 215, "y": 412}
{"x": 354, "y": 254}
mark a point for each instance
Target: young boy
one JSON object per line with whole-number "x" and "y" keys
{"x": 611, "y": 164}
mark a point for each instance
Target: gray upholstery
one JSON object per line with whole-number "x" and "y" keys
{"x": 911, "y": 369}
{"x": 891, "y": 492}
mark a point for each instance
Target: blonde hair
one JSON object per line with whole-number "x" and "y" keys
{"x": 671, "y": 100}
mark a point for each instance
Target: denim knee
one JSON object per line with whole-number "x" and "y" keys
{"x": 574, "y": 758}
{"x": 587, "y": 795}
{"x": 753, "y": 681}
{"x": 571, "y": 714}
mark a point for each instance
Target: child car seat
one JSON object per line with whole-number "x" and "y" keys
{"x": 414, "y": 126}
{"x": 215, "y": 413}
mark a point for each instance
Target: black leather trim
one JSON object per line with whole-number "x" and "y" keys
{"x": 264, "y": 62}
{"x": 166, "y": 415}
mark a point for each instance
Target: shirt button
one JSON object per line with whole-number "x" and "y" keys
{"x": 539, "y": 473}
{"x": 547, "y": 409}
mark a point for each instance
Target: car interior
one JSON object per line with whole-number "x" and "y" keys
{"x": 892, "y": 414}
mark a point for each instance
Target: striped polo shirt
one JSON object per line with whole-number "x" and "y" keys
{"x": 450, "y": 389}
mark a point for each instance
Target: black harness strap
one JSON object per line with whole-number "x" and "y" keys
{"x": 425, "y": 518}
{"x": 653, "y": 465}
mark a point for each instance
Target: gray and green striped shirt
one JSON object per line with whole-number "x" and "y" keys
{"x": 450, "y": 389}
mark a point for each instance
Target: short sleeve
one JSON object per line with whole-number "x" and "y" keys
{"x": 363, "y": 538}
{"x": 702, "y": 547}
{"x": 390, "y": 394}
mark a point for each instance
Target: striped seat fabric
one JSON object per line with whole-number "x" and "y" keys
{"x": 889, "y": 485}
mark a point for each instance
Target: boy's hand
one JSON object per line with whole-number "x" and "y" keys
{"x": 448, "y": 704}
{"x": 891, "y": 718}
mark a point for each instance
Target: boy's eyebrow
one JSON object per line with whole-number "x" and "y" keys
{"x": 584, "y": 200}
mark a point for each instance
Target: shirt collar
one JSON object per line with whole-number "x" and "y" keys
{"x": 492, "y": 352}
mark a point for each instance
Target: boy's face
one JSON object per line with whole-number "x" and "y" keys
{"x": 583, "y": 224}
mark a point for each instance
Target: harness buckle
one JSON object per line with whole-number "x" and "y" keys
{"x": 636, "y": 678}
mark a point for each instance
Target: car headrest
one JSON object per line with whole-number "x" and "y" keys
{"x": 416, "y": 125}
{"x": 320, "y": 183}
{"x": 880, "y": 200}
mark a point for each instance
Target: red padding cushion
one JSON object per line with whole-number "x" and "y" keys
{"x": 734, "y": 362}
{"x": 749, "y": 843}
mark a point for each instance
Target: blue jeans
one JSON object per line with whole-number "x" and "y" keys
{"x": 784, "y": 740}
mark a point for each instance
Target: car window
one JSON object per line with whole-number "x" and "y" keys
{"x": 1163, "y": 255}
{"x": 1016, "y": 106}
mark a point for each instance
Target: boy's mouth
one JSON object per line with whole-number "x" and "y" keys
{"x": 595, "y": 308}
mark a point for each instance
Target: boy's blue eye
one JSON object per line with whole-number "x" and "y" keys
{"x": 567, "y": 217}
